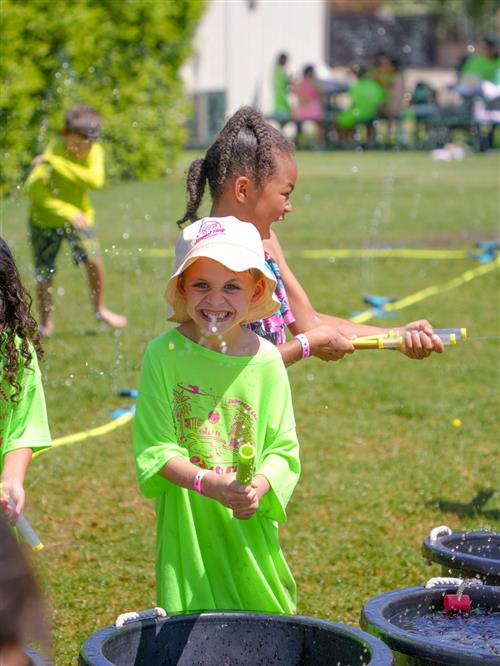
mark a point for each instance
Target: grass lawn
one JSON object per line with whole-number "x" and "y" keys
{"x": 382, "y": 462}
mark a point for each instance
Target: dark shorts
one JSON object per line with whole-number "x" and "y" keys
{"x": 46, "y": 244}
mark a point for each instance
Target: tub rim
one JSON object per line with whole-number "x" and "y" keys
{"x": 373, "y": 621}
{"x": 438, "y": 551}
{"x": 93, "y": 646}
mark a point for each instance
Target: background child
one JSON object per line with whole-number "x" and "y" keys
{"x": 196, "y": 406}
{"x": 309, "y": 103}
{"x": 251, "y": 172}
{"x": 23, "y": 416}
{"x": 21, "y": 607}
{"x": 61, "y": 209}
{"x": 282, "y": 111}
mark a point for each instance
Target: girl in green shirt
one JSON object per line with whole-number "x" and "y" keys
{"x": 207, "y": 387}
{"x": 23, "y": 416}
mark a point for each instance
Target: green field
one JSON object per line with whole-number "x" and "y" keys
{"x": 382, "y": 462}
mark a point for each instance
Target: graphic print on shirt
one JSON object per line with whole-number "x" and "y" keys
{"x": 212, "y": 427}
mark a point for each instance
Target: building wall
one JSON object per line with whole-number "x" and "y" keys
{"x": 238, "y": 41}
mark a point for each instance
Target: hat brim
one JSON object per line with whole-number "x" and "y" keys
{"x": 238, "y": 262}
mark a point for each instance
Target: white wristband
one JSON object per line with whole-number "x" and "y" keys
{"x": 304, "y": 343}
{"x": 197, "y": 481}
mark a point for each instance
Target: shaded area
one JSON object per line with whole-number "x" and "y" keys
{"x": 470, "y": 509}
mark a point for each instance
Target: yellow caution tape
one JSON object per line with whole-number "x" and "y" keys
{"x": 398, "y": 253}
{"x": 429, "y": 291}
{"x": 337, "y": 253}
{"x": 87, "y": 434}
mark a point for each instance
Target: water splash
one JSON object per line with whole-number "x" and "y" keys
{"x": 467, "y": 582}
{"x": 213, "y": 329}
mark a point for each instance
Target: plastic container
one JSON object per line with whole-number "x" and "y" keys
{"x": 234, "y": 639}
{"x": 465, "y": 554}
{"x": 386, "y": 615}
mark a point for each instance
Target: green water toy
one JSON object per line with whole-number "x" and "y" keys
{"x": 394, "y": 339}
{"x": 246, "y": 464}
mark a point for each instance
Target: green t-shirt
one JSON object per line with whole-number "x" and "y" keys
{"x": 367, "y": 96}
{"x": 281, "y": 89}
{"x": 24, "y": 424}
{"x": 486, "y": 69}
{"x": 201, "y": 405}
{"x": 58, "y": 187}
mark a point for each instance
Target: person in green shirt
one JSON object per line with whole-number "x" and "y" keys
{"x": 282, "y": 111}
{"x": 483, "y": 66}
{"x": 367, "y": 96}
{"x": 61, "y": 209}
{"x": 207, "y": 387}
{"x": 23, "y": 415}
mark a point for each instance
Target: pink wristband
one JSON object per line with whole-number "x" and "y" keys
{"x": 304, "y": 343}
{"x": 198, "y": 479}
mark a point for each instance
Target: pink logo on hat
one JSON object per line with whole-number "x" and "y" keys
{"x": 208, "y": 229}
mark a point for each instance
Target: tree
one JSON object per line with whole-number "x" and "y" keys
{"x": 122, "y": 57}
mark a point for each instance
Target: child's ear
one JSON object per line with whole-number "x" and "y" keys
{"x": 180, "y": 285}
{"x": 259, "y": 289}
{"x": 240, "y": 188}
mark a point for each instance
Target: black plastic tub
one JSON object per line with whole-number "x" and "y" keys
{"x": 234, "y": 639}
{"x": 386, "y": 615}
{"x": 466, "y": 554}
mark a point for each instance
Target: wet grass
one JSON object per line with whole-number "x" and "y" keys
{"x": 382, "y": 462}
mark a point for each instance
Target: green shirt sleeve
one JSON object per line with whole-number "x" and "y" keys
{"x": 28, "y": 424}
{"x": 279, "y": 461}
{"x": 154, "y": 435}
{"x": 89, "y": 173}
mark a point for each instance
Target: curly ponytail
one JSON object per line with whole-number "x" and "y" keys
{"x": 195, "y": 185}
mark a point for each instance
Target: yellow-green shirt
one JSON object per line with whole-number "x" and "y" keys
{"x": 200, "y": 405}
{"x": 59, "y": 186}
{"x": 23, "y": 423}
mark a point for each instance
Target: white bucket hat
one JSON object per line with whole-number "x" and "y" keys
{"x": 234, "y": 244}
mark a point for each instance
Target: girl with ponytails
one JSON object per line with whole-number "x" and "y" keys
{"x": 251, "y": 172}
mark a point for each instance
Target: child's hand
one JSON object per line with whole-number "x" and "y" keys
{"x": 419, "y": 340}
{"x": 225, "y": 489}
{"x": 261, "y": 486}
{"x": 14, "y": 506}
{"x": 80, "y": 221}
{"x": 328, "y": 343}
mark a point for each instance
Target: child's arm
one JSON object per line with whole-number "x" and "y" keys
{"x": 15, "y": 465}
{"x": 90, "y": 175}
{"x": 221, "y": 487}
{"x": 29, "y": 430}
{"x": 419, "y": 344}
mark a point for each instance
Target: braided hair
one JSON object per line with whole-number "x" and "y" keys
{"x": 244, "y": 146}
{"x": 17, "y": 325}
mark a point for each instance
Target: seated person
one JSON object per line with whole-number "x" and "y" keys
{"x": 309, "y": 102}
{"x": 366, "y": 98}
{"x": 481, "y": 66}
{"x": 387, "y": 73}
